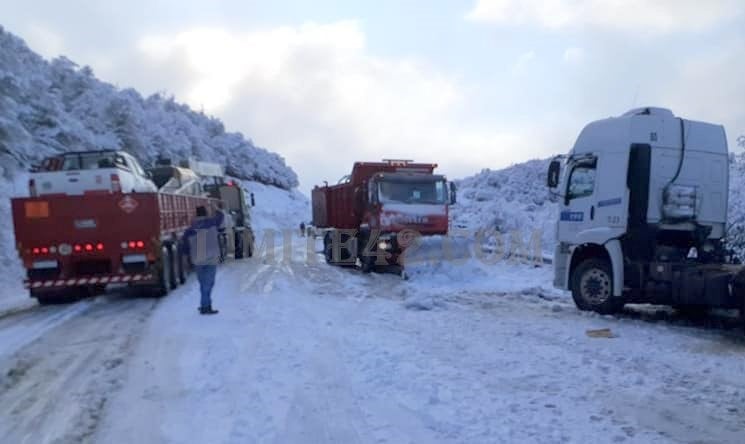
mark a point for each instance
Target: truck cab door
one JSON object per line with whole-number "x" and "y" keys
{"x": 577, "y": 212}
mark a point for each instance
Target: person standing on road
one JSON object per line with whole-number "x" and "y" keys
{"x": 201, "y": 242}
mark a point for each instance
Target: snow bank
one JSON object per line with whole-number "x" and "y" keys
{"x": 276, "y": 209}
{"x": 12, "y": 293}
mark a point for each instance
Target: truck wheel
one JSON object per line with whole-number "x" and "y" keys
{"x": 238, "y": 236}
{"x": 184, "y": 268}
{"x": 367, "y": 262}
{"x": 175, "y": 266}
{"x": 328, "y": 249}
{"x": 250, "y": 247}
{"x": 165, "y": 275}
{"x": 592, "y": 287}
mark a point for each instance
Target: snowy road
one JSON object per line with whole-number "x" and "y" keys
{"x": 302, "y": 352}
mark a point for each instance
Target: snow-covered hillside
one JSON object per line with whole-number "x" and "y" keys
{"x": 48, "y": 107}
{"x": 515, "y": 199}
{"x": 510, "y": 200}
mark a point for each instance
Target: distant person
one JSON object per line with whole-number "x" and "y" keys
{"x": 302, "y": 229}
{"x": 201, "y": 242}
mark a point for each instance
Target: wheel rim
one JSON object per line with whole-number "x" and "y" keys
{"x": 595, "y": 286}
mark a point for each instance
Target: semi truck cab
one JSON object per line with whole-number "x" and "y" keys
{"x": 642, "y": 213}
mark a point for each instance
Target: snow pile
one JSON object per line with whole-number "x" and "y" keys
{"x": 511, "y": 201}
{"x": 50, "y": 107}
{"x": 276, "y": 209}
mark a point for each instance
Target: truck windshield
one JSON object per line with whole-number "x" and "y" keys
{"x": 85, "y": 161}
{"x": 412, "y": 192}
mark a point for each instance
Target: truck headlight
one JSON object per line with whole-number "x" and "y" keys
{"x": 383, "y": 245}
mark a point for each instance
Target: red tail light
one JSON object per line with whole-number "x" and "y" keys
{"x": 88, "y": 247}
{"x": 140, "y": 244}
{"x": 44, "y": 250}
{"x": 99, "y": 246}
{"x": 36, "y": 250}
{"x": 77, "y": 248}
{"x": 132, "y": 244}
{"x": 32, "y": 188}
{"x": 116, "y": 184}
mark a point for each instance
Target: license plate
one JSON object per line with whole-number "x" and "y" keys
{"x": 85, "y": 223}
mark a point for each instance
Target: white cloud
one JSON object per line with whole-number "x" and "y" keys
{"x": 574, "y": 55}
{"x": 523, "y": 63}
{"x": 43, "y": 40}
{"x": 641, "y": 15}
{"x": 316, "y": 94}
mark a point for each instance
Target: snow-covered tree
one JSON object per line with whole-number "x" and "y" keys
{"x": 50, "y": 107}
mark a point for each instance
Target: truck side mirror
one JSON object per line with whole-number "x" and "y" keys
{"x": 453, "y": 198}
{"x": 554, "y": 170}
{"x": 253, "y": 200}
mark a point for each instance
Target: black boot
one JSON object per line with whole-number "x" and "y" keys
{"x": 207, "y": 310}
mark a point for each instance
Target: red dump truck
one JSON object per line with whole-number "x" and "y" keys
{"x": 373, "y": 214}
{"x": 73, "y": 245}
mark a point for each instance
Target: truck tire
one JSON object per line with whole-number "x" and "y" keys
{"x": 175, "y": 266}
{"x": 250, "y": 246}
{"x": 184, "y": 268}
{"x": 238, "y": 237}
{"x": 165, "y": 274}
{"x": 367, "y": 262}
{"x": 592, "y": 287}
{"x": 328, "y": 249}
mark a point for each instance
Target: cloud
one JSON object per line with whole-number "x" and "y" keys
{"x": 574, "y": 55}
{"x": 523, "y": 63}
{"x": 316, "y": 94}
{"x": 627, "y": 15}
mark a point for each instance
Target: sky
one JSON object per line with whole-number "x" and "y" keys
{"x": 468, "y": 84}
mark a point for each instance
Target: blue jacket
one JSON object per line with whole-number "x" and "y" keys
{"x": 201, "y": 241}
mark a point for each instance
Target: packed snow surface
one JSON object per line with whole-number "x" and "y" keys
{"x": 304, "y": 352}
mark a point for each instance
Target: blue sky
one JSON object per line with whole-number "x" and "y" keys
{"x": 468, "y": 84}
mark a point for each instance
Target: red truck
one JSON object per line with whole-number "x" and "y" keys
{"x": 76, "y": 245}
{"x": 374, "y": 213}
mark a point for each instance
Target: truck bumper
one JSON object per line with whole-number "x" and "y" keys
{"x": 139, "y": 278}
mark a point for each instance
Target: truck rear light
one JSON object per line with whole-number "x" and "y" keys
{"x": 116, "y": 184}
{"x": 133, "y": 244}
{"x": 36, "y": 250}
{"x": 44, "y": 250}
{"x": 88, "y": 247}
{"x": 99, "y": 246}
{"x": 32, "y": 188}
{"x": 77, "y": 248}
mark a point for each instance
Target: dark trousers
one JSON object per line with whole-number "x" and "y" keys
{"x": 206, "y": 276}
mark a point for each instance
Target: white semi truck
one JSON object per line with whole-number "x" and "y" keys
{"x": 643, "y": 210}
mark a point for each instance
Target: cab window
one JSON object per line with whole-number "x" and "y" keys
{"x": 582, "y": 181}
